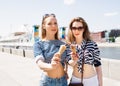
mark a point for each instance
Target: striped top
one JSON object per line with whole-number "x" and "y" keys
{"x": 91, "y": 54}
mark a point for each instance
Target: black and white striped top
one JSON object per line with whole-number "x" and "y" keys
{"x": 91, "y": 54}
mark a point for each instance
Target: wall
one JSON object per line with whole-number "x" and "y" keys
{"x": 111, "y": 68}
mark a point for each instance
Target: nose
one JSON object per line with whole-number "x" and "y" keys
{"x": 54, "y": 25}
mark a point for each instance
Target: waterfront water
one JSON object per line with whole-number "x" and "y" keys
{"x": 110, "y": 52}
{"x": 106, "y": 52}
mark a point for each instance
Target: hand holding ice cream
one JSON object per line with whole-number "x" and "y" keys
{"x": 57, "y": 56}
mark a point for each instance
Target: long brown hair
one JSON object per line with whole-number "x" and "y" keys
{"x": 43, "y": 31}
{"x": 86, "y": 33}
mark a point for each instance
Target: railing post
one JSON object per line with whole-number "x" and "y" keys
{"x": 23, "y": 53}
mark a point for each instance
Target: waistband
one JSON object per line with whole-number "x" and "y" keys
{"x": 53, "y": 79}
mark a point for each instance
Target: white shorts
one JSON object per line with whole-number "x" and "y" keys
{"x": 93, "y": 81}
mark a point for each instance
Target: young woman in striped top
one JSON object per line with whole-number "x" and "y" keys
{"x": 79, "y": 35}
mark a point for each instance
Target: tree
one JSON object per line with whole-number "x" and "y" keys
{"x": 114, "y": 33}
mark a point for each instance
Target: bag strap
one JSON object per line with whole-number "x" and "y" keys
{"x": 83, "y": 63}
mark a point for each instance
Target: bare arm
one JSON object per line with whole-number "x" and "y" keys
{"x": 44, "y": 66}
{"x": 99, "y": 75}
{"x": 55, "y": 61}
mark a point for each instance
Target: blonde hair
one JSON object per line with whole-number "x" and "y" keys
{"x": 43, "y": 31}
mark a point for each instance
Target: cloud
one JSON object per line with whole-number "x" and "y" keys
{"x": 118, "y": 26}
{"x": 69, "y": 2}
{"x": 111, "y": 14}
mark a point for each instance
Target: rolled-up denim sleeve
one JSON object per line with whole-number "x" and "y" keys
{"x": 38, "y": 53}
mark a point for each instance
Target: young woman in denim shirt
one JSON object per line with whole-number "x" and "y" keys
{"x": 79, "y": 35}
{"x": 46, "y": 56}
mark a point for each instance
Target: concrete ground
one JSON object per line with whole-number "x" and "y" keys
{"x": 19, "y": 71}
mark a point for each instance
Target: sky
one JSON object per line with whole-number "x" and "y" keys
{"x": 19, "y": 15}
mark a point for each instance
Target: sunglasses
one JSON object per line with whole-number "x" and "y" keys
{"x": 77, "y": 28}
{"x": 47, "y": 15}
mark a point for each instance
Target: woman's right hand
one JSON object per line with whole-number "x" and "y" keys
{"x": 74, "y": 56}
{"x": 55, "y": 61}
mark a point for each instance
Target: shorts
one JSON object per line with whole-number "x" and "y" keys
{"x": 93, "y": 81}
{"x": 47, "y": 81}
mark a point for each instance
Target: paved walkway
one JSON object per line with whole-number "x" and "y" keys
{"x": 20, "y": 71}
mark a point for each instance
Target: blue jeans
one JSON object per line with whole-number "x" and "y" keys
{"x": 47, "y": 81}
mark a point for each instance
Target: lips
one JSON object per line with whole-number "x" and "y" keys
{"x": 53, "y": 30}
{"x": 76, "y": 34}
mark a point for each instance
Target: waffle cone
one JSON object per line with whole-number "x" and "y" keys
{"x": 62, "y": 49}
{"x": 73, "y": 49}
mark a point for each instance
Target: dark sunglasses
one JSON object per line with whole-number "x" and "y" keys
{"x": 77, "y": 28}
{"x": 47, "y": 15}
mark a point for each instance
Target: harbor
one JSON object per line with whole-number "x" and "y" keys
{"x": 18, "y": 58}
{"x": 21, "y": 24}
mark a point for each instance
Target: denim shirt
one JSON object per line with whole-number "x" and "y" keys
{"x": 45, "y": 50}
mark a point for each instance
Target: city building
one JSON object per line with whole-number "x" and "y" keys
{"x": 98, "y": 36}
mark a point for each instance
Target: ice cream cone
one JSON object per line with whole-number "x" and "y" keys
{"x": 62, "y": 49}
{"x": 73, "y": 48}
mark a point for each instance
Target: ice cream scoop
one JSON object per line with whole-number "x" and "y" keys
{"x": 62, "y": 49}
{"x": 73, "y": 48}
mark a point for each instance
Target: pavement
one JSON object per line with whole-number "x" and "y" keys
{"x": 22, "y": 71}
